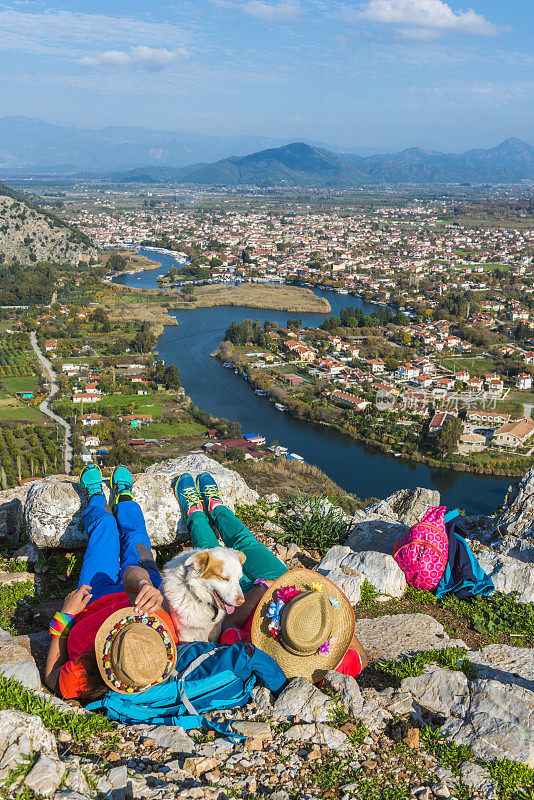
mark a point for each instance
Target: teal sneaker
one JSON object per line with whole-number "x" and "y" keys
{"x": 91, "y": 481}
{"x": 209, "y": 492}
{"x": 186, "y": 493}
{"x": 121, "y": 484}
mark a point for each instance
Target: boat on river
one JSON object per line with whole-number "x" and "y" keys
{"x": 280, "y": 407}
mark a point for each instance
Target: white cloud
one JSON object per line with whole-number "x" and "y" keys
{"x": 283, "y": 11}
{"x": 140, "y": 56}
{"x": 419, "y": 19}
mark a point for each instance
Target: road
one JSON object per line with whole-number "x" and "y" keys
{"x": 45, "y": 405}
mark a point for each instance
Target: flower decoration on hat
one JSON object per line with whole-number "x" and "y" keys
{"x": 317, "y": 587}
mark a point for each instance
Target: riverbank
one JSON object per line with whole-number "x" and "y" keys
{"x": 276, "y": 394}
{"x": 134, "y": 261}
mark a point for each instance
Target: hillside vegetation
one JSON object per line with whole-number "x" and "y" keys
{"x": 30, "y": 234}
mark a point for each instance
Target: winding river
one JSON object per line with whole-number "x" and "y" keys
{"x": 356, "y": 467}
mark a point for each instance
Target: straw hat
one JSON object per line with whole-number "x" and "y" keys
{"x": 134, "y": 651}
{"x": 305, "y": 622}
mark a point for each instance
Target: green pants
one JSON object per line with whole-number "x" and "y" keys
{"x": 260, "y": 562}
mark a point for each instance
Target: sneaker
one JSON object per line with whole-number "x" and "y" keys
{"x": 209, "y": 491}
{"x": 121, "y": 485}
{"x": 91, "y": 481}
{"x": 186, "y": 493}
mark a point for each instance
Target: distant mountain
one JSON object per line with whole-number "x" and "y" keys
{"x": 29, "y": 233}
{"x": 300, "y": 164}
{"x": 31, "y": 146}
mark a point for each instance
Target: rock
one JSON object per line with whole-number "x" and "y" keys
{"x": 517, "y": 515}
{"x": 498, "y": 724}
{"x": 70, "y": 794}
{"x": 198, "y": 765}
{"x": 271, "y": 499}
{"x": 477, "y": 777}
{"x": 8, "y": 578}
{"x": 74, "y": 778}
{"x": 253, "y": 730}
{"x": 172, "y": 738}
{"x": 508, "y": 574}
{"x": 380, "y": 570}
{"x": 375, "y": 532}
{"x": 403, "y": 634}
{"x": 332, "y": 567}
{"x": 442, "y": 692}
{"x": 365, "y": 710}
{"x": 441, "y": 791}
{"x": 509, "y": 665}
{"x": 302, "y": 699}
{"x": 11, "y": 508}
{"x": 45, "y": 775}
{"x": 318, "y": 734}
{"x": 16, "y": 661}
{"x": 53, "y": 506}
{"x": 272, "y": 527}
{"x": 28, "y": 552}
{"x": 263, "y": 699}
{"x": 21, "y": 735}
{"x": 409, "y": 505}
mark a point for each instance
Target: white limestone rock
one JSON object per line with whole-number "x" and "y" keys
{"x": 376, "y": 532}
{"x": 53, "y": 507}
{"x": 16, "y": 660}
{"x": 499, "y": 722}
{"x": 21, "y": 735}
{"x": 508, "y": 665}
{"x": 401, "y": 635}
{"x": 517, "y": 515}
{"x": 507, "y": 573}
{"x": 363, "y": 708}
{"x": 409, "y": 505}
{"x": 381, "y": 570}
{"x": 45, "y": 775}
{"x": 302, "y": 699}
{"x": 442, "y": 692}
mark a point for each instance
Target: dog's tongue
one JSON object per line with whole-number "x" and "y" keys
{"x": 228, "y": 609}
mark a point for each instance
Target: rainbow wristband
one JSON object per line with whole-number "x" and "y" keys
{"x": 61, "y": 625}
{"x": 261, "y": 582}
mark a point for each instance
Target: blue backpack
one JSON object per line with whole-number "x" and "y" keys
{"x": 207, "y": 677}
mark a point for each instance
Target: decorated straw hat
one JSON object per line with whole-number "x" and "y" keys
{"x": 305, "y": 622}
{"x": 134, "y": 651}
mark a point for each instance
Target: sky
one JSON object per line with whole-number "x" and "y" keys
{"x": 383, "y": 74}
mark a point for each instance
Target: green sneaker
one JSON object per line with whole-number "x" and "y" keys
{"x": 121, "y": 484}
{"x": 91, "y": 481}
{"x": 186, "y": 493}
{"x": 209, "y": 491}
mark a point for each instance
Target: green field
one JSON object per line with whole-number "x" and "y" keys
{"x": 12, "y": 410}
{"x": 172, "y": 429}
{"x": 25, "y": 384}
{"x": 475, "y": 366}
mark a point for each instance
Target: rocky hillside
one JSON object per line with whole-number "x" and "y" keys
{"x": 29, "y": 233}
{"x": 433, "y": 716}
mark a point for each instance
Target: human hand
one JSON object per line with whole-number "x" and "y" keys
{"x": 77, "y": 600}
{"x": 149, "y": 599}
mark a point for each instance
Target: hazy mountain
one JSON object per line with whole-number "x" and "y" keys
{"x": 30, "y": 145}
{"x": 299, "y": 164}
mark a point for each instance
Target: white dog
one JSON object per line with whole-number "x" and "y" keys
{"x": 201, "y": 586}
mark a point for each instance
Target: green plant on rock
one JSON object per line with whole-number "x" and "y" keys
{"x": 450, "y": 658}
{"x": 496, "y": 615}
{"x": 311, "y": 524}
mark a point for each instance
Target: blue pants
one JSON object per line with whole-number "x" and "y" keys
{"x": 116, "y": 541}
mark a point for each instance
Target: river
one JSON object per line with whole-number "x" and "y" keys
{"x": 354, "y": 466}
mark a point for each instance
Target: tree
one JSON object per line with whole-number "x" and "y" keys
{"x": 144, "y": 340}
{"x": 448, "y": 437}
{"x": 116, "y": 262}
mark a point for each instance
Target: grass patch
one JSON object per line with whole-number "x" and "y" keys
{"x": 496, "y": 615}
{"x": 12, "y": 410}
{"x": 10, "y": 596}
{"x": 15, "y": 697}
{"x": 451, "y": 658}
{"x": 514, "y": 781}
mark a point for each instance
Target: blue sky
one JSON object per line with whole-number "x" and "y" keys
{"x": 376, "y": 73}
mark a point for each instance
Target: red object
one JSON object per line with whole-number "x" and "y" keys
{"x": 81, "y": 640}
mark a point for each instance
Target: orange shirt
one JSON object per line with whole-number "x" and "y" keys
{"x": 81, "y": 640}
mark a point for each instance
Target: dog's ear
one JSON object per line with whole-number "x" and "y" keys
{"x": 241, "y": 556}
{"x": 208, "y": 565}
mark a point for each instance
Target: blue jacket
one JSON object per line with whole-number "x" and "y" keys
{"x": 463, "y": 575}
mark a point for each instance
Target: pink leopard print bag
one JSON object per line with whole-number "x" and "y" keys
{"x": 423, "y": 552}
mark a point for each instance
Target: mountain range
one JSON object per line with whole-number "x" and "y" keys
{"x": 302, "y": 165}
{"x": 30, "y": 146}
